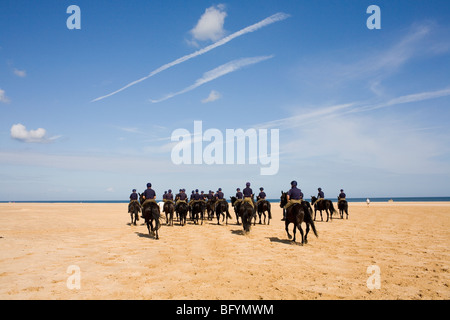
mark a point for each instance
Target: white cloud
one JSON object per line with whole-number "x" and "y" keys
{"x": 210, "y": 25}
{"x": 213, "y": 96}
{"x": 349, "y": 135}
{"x": 20, "y": 73}
{"x": 20, "y": 132}
{"x": 3, "y": 97}
{"x": 254, "y": 27}
{"x": 110, "y": 189}
{"x": 217, "y": 73}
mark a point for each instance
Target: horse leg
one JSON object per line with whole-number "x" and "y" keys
{"x": 150, "y": 227}
{"x": 299, "y": 227}
{"x": 295, "y": 231}
{"x": 156, "y": 228}
{"x": 287, "y": 229}
{"x": 306, "y": 234}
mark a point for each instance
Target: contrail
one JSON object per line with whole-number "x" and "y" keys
{"x": 217, "y": 73}
{"x": 254, "y": 27}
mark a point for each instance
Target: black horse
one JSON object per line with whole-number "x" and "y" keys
{"x": 236, "y": 208}
{"x": 282, "y": 207}
{"x": 320, "y": 205}
{"x": 182, "y": 209}
{"x": 262, "y": 207}
{"x": 296, "y": 214}
{"x": 151, "y": 214}
{"x": 169, "y": 209}
{"x": 221, "y": 208}
{"x": 343, "y": 207}
{"x": 247, "y": 213}
{"x": 134, "y": 209}
{"x": 197, "y": 209}
{"x": 210, "y": 204}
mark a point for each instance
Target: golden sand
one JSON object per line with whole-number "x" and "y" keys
{"x": 42, "y": 243}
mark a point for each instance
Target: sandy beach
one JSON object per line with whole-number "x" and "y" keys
{"x": 44, "y": 247}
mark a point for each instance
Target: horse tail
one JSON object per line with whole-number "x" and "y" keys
{"x": 313, "y": 227}
{"x": 309, "y": 220}
{"x": 268, "y": 210}
{"x": 332, "y": 208}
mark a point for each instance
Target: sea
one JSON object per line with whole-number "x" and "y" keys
{"x": 375, "y": 199}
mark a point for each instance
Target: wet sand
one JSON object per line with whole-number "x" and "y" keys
{"x": 42, "y": 244}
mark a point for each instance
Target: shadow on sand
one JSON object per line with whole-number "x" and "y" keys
{"x": 276, "y": 239}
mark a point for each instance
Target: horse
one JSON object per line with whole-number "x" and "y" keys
{"x": 221, "y": 208}
{"x": 284, "y": 210}
{"x": 296, "y": 214}
{"x": 247, "y": 213}
{"x": 236, "y": 208}
{"x": 182, "y": 209}
{"x": 210, "y": 204}
{"x": 343, "y": 207}
{"x": 262, "y": 207}
{"x": 169, "y": 209}
{"x": 326, "y": 205}
{"x": 134, "y": 210}
{"x": 197, "y": 211}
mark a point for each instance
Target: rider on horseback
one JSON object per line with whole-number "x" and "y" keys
{"x": 261, "y": 196}
{"x": 294, "y": 195}
{"x": 196, "y": 197}
{"x": 320, "y": 195}
{"x": 182, "y": 196}
{"x": 341, "y": 196}
{"x": 169, "y": 195}
{"x": 133, "y": 198}
{"x": 149, "y": 195}
{"x": 219, "y": 195}
{"x": 239, "y": 197}
{"x": 248, "y": 194}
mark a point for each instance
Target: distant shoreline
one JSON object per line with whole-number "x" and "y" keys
{"x": 375, "y": 199}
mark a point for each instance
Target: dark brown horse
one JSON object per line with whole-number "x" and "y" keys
{"x": 182, "y": 209}
{"x": 197, "y": 209}
{"x": 323, "y": 204}
{"x": 247, "y": 213}
{"x": 236, "y": 208}
{"x": 221, "y": 208}
{"x": 169, "y": 209}
{"x": 263, "y": 207}
{"x": 134, "y": 209}
{"x": 296, "y": 214}
{"x": 342, "y": 207}
{"x": 151, "y": 213}
{"x": 210, "y": 204}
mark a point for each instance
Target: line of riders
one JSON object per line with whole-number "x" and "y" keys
{"x": 243, "y": 203}
{"x": 210, "y": 203}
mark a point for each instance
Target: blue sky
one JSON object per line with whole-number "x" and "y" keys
{"x": 359, "y": 109}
